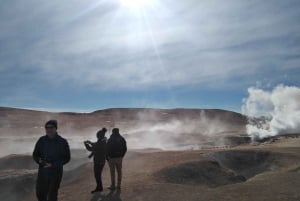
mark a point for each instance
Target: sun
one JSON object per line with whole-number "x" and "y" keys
{"x": 136, "y": 4}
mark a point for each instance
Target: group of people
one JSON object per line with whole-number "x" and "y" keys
{"x": 52, "y": 151}
{"x": 113, "y": 150}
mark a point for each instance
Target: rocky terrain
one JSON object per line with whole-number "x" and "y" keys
{"x": 235, "y": 168}
{"x": 254, "y": 172}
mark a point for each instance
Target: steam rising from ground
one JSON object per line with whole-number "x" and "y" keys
{"x": 16, "y": 145}
{"x": 177, "y": 129}
{"x": 276, "y": 111}
{"x": 177, "y": 134}
{"x": 150, "y": 129}
{"x": 25, "y": 145}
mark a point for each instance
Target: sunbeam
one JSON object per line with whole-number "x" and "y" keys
{"x": 136, "y": 4}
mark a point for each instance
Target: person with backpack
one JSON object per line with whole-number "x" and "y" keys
{"x": 51, "y": 152}
{"x": 116, "y": 150}
{"x": 98, "y": 150}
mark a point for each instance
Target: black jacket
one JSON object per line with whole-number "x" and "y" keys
{"x": 116, "y": 146}
{"x": 98, "y": 150}
{"x": 51, "y": 150}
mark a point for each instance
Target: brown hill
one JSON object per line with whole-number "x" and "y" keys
{"x": 168, "y": 129}
{"x": 16, "y": 121}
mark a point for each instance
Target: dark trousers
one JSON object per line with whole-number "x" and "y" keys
{"x": 98, "y": 167}
{"x": 47, "y": 187}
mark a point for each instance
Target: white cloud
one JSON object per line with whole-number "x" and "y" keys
{"x": 175, "y": 44}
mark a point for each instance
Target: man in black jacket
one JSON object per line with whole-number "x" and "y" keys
{"x": 51, "y": 152}
{"x": 98, "y": 150}
{"x": 116, "y": 147}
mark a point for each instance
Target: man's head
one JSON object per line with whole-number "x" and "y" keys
{"x": 51, "y": 128}
{"x": 115, "y": 131}
{"x": 101, "y": 133}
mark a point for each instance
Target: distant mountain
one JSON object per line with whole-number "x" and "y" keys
{"x": 23, "y": 121}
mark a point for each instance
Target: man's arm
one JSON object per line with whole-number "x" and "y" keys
{"x": 89, "y": 145}
{"x": 124, "y": 147}
{"x": 106, "y": 150}
{"x": 37, "y": 152}
{"x": 65, "y": 155}
{"x": 91, "y": 155}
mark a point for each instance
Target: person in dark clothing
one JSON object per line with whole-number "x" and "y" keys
{"x": 51, "y": 152}
{"x": 98, "y": 150}
{"x": 116, "y": 150}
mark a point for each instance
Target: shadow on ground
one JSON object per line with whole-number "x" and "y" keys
{"x": 111, "y": 196}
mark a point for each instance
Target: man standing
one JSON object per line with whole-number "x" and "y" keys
{"x": 51, "y": 152}
{"x": 117, "y": 148}
{"x": 98, "y": 150}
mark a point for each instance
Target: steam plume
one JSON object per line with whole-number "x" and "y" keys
{"x": 273, "y": 112}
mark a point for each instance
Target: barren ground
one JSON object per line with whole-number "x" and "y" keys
{"x": 266, "y": 172}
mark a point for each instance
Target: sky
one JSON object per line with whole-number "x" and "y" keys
{"x": 80, "y": 55}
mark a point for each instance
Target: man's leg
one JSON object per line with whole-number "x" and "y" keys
{"x": 112, "y": 167}
{"x": 119, "y": 171}
{"x": 42, "y": 185}
{"x": 98, "y": 167}
{"x": 54, "y": 186}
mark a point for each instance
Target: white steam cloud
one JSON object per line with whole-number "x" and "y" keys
{"x": 177, "y": 134}
{"x": 144, "y": 129}
{"x": 272, "y": 112}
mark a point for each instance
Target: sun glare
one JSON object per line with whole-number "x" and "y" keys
{"x": 136, "y": 4}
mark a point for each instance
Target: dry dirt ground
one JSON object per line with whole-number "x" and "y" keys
{"x": 265, "y": 172}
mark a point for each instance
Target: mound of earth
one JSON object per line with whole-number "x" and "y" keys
{"x": 226, "y": 167}
{"x": 208, "y": 173}
{"x": 246, "y": 163}
{"x": 16, "y": 185}
{"x": 17, "y": 162}
{"x": 18, "y": 174}
{"x": 250, "y": 163}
